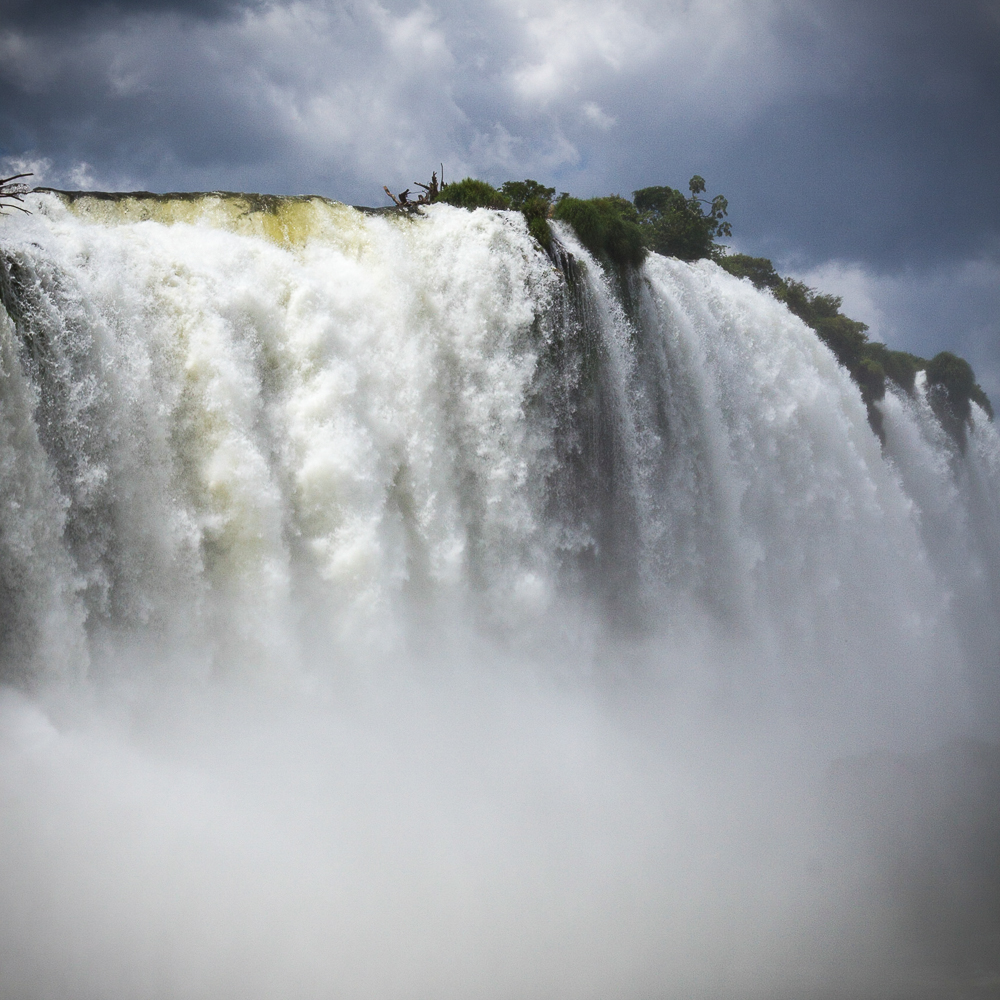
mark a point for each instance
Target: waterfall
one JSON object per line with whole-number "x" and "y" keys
{"x": 390, "y": 608}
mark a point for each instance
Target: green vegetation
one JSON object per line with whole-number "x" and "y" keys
{"x": 758, "y": 269}
{"x": 608, "y": 227}
{"x": 471, "y": 194}
{"x": 951, "y": 379}
{"x": 520, "y": 193}
{"x": 619, "y": 233}
{"x": 675, "y": 226}
{"x": 534, "y": 202}
{"x": 531, "y": 199}
{"x": 953, "y": 376}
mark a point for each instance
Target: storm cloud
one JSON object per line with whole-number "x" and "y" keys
{"x": 841, "y": 131}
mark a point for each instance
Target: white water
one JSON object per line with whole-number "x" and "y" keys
{"x": 387, "y": 614}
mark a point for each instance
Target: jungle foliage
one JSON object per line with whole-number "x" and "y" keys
{"x": 471, "y": 194}
{"x": 615, "y": 230}
{"x": 534, "y": 202}
{"x": 953, "y": 377}
{"x": 621, "y": 232}
{"x": 531, "y": 199}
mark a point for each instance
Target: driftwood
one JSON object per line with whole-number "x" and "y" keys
{"x": 431, "y": 191}
{"x": 11, "y": 193}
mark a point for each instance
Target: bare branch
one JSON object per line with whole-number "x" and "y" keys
{"x": 11, "y": 193}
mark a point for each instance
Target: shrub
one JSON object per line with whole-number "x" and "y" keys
{"x": 534, "y": 202}
{"x": 870, "y": 377}
{"x": 471, "y": 194}
{"x": 608, "y": 227}
{"x": 900, "y": 366}
{"x": 844, "y": 336}
{"x": 758, "y": 269}
{"x": 528, "y": 197}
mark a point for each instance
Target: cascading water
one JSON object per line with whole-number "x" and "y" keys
{"x": 389, "y": 612}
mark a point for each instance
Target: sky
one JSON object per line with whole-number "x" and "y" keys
{"x": 858, "y": 141}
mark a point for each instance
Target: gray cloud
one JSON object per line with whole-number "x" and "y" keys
{"x": 61, "y": 15}
{"x": 890, "y": 159}
{"x": 838, "y": 129}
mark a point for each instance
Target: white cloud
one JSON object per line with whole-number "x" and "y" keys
{"x": 594, "y": 114}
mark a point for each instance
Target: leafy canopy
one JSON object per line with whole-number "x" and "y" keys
{"x": 521, "y": 193}
{"x": 676, "y": 226}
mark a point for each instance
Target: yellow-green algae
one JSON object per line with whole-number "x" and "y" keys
{"x": 287, "y": 220}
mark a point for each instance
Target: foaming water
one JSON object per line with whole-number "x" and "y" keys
{"x": 391, "y": 609}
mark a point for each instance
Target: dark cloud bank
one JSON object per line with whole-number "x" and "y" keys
{"x": 838, "y": 129}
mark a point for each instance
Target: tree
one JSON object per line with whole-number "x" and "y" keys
{"x": 521, "y": 193}
{"x": 676, "y": 226}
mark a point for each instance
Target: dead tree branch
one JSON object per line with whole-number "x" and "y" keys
{"x": 430, "y": 192}
{"x": 11, "y": 193}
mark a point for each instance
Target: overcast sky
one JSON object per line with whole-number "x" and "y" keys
{"x": 858, "y": 141}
